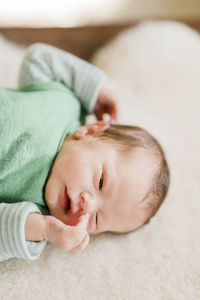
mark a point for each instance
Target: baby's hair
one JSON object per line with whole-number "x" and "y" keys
{"x": 127, "y": 138}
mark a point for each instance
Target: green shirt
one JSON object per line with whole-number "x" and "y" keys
{"x": 34, "y": 122}
{"x": 56, "y": 91}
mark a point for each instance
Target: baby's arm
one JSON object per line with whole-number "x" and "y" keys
{"x": 45, "y": 63}
{"x": 12, "y": 236}
{"x": 39, "y": 227}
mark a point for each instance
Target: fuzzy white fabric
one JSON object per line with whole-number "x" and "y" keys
{"x": 155, "y": 69}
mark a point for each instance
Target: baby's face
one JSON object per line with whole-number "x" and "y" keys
{"x": 96, "y": 179}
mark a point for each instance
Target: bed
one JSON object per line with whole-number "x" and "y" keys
{"x": 154, "y": 69}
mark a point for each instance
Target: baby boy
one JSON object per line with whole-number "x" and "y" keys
{"x": 61, "y": 180}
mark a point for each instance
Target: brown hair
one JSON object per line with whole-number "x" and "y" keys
{"x": 128, "y": 138}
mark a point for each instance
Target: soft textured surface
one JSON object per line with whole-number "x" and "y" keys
{"x": 155, "y": 69}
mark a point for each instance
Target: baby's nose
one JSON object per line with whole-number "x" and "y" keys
{"x": 87, "y": 202}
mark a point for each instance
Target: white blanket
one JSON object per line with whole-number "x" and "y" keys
{"x": 155, "y": 69}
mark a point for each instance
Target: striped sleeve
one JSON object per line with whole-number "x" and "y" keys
{"x": 12, "y": 232}
{"x": 46, "y": 63}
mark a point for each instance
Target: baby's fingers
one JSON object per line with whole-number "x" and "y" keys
{"x": 83, "y": 244}
{"x": 79, "y": 231}
{"x": 83, "y": 221}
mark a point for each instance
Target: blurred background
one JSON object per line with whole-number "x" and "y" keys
{"x": 67, "y": 13}
{"x": 80, "y": 26}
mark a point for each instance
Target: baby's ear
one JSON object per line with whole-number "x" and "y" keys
{"x": 94, "y": 129}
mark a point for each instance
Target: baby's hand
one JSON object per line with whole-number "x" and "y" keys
{"x": 106, "y": 104}
{"x": 67, "y": 237}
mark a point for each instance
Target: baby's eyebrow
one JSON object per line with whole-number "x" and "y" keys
{"x": 110, "y": 182}
{"x": 105, "y": 178}
{"x": 95, "y": 175}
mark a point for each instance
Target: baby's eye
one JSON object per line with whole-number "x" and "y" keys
{"x": 101, "y": 182}
{"x": 96, "y": 219}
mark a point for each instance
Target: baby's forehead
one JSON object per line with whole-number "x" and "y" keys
{"x": 136, "y": 173}
{"x": 138, "y": 157}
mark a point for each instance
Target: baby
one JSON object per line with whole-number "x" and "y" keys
{"x": 61, "y": 180}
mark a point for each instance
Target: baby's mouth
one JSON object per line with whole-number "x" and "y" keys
{"x": 66, "y": 201}
{"x": 69, "y": 204}
{"x": 72, "y": 216}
